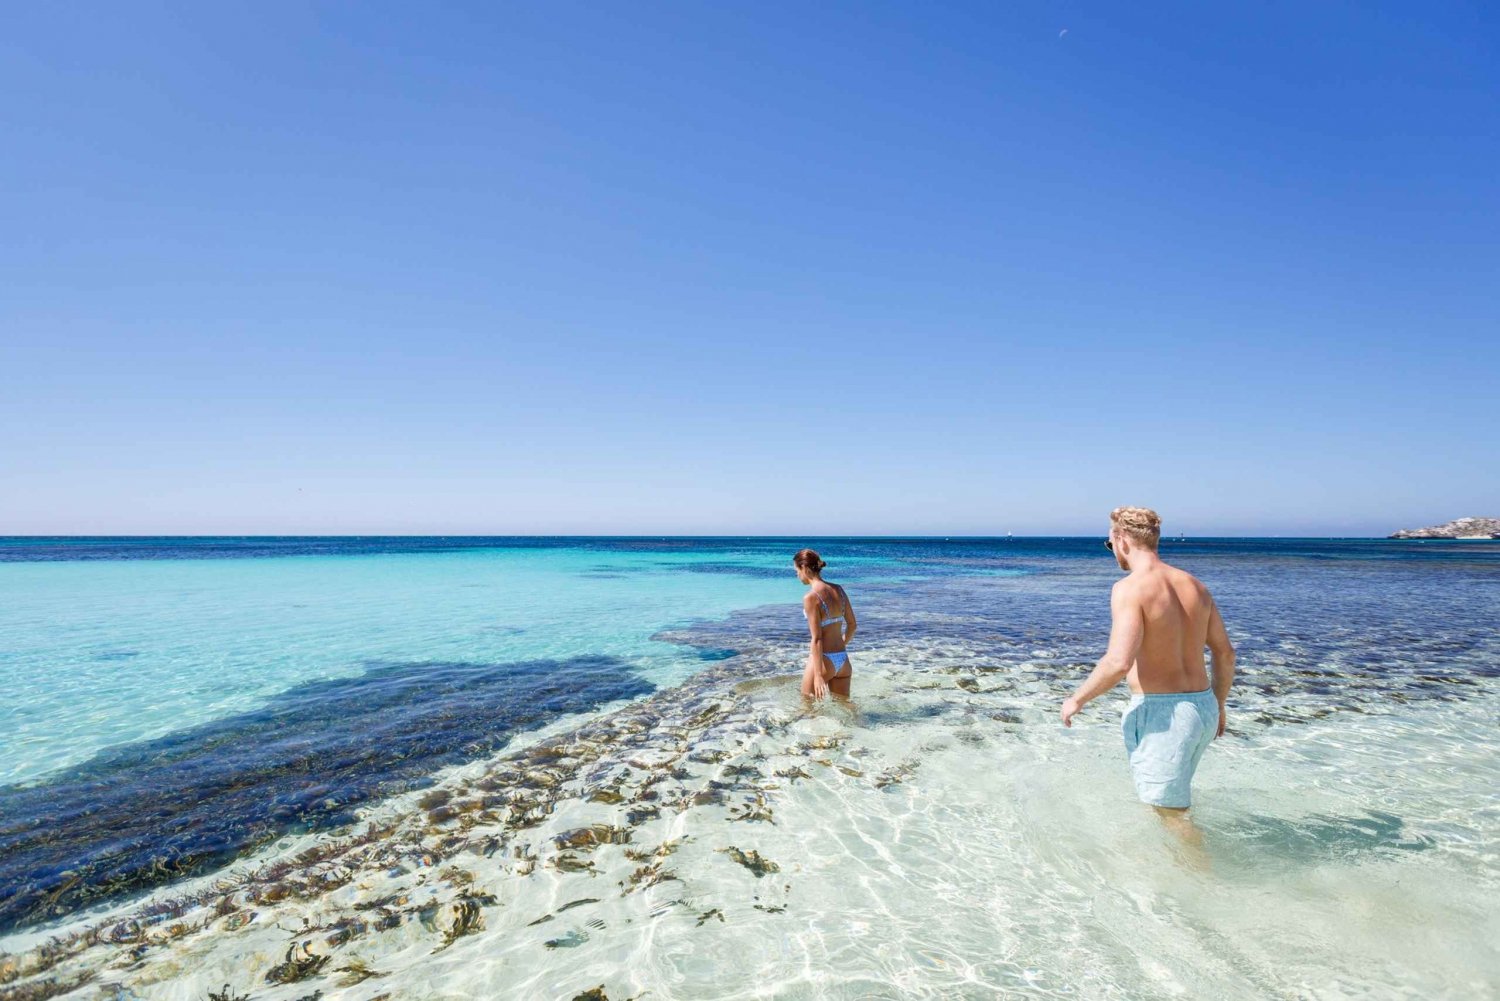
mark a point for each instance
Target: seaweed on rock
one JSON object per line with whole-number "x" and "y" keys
{"x": 225, "y": 994}
{"x": 752, "y": 860}
{"x": 51, "y": 988}
{"x": 301, "y": 962}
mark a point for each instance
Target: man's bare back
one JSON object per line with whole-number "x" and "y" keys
{"x": 1177, "y": 615}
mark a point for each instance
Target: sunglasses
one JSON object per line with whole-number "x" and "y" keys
{"x": 1109, "y": 544}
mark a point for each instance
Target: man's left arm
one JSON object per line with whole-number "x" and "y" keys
{"x": 1127, "y": 628}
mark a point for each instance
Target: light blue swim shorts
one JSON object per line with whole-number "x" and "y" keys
{"x": 1165, "y": 735}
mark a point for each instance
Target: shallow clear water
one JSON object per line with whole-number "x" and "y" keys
{"x": 945, "y": 837}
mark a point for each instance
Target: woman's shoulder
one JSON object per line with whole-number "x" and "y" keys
{"x": 836, "y": 593}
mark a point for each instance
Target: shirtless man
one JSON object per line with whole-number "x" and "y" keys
{"x": 1163, "y": 618}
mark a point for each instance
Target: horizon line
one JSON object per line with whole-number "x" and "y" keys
{"x": 658, "y": 535}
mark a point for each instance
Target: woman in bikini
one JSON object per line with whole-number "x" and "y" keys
{"x": 830, "y": 619}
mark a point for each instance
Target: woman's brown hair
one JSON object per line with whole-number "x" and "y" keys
{"x": 809, "y": 561}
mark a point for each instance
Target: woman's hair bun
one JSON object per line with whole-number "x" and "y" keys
{"x": 808, "y": 559}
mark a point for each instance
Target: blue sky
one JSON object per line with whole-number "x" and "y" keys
{"x": 744, "y": 268}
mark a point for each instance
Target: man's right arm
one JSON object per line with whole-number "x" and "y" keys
{"x": 1127, "y": 630}
{"x": 1223, "y": 660}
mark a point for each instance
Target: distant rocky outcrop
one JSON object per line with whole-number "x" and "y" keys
{"x": 1461, "y": 528}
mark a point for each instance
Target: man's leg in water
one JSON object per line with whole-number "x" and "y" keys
{"x": 1189, "y": 838}
{"x": 1176, "y": 820}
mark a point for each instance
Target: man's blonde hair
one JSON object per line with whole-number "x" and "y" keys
{"x": 1140, "y": 525}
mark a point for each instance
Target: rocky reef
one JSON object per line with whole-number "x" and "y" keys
{"x": 1459, "y": 528}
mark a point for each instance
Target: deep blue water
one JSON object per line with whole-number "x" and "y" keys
{"x": 929, "y": 550}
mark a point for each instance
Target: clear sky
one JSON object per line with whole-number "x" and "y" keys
{"x": 748, "y": 267}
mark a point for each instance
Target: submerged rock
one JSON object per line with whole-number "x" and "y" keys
{"x": 301, "y": 962}
{"x": 457, "y": 918}
{"x": 356, "y": 971}
{"x": 586, "y": 838}
{"x": 751, "y": 860}
{"x": 225, "y": 994}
